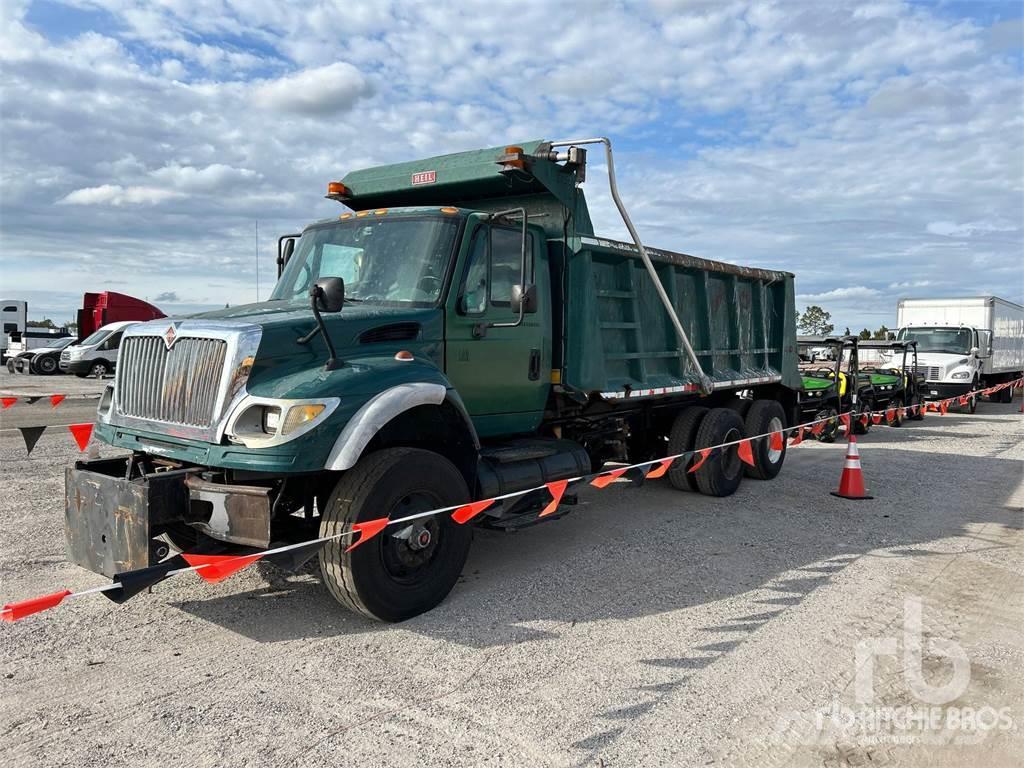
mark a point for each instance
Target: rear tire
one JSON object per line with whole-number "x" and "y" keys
{"x": 721, "y": 474}
{"x": 681, "y": 439}
{"x": 387, "y": 578}
{"x": 46, "y": 366}
{"x": 765, "y": 416}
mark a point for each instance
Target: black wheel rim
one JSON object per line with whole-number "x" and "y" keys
{"x": 407, "y": 558}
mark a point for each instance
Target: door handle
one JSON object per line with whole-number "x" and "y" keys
{"x": 534, "y": 364}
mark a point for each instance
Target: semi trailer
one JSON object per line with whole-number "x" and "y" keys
{"x": 459, "y": 332}
{"x": 964, "y": 344}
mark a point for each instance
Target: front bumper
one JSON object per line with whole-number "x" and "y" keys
{"x": 112, "y": 518}
{"x": 936, "y": 390}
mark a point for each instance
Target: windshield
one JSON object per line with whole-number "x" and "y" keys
{"x": 58, "y": 343}
{"x": 400, "y": 261}
{"x": 955, "y": 341}
{"x": 95, "y": 338}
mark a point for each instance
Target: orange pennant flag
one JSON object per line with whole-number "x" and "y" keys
{"x": 704, "y": 453}
{"x": 746, "y": 453}
{"x": 367, "y": 530}
{"x": 844, "y": 420}
{"x": 818, "y": 428}
{"x": 7, "y": 402}
{"x": 775, "y": 442}
{"x": 467, "y": 512}
{"x": 890, "y": 415}
{"x": 219, "y": 567}
{"x": 661, "y": 469}
{"x": 556, "y": 489}
{"x": 15, "y": 611}
{"x": 943, "y": 407}
{"x": 82, "y": 433}
{"x": 56, "y": 400}
{"x": 798, "y": 436}
{"x": 876, "y": 418}
{"x": 606, "y": 479}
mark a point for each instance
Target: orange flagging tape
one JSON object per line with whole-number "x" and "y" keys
{"x": 660, "y": 470}
{"x": 557, "y": 490}
{"x": 219, "y": 567}
{"x": 704, "y": 453}
{"x": 15, "y": 611}
{"x": 467, "y": 512}
{"x": 82, "y": 433}
{"x": 746, "y": 453}
{"x": 367, "y": 530}
{"x": 607, "y": 478}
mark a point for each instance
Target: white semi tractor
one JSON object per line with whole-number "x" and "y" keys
{"x": 964, "y": 344}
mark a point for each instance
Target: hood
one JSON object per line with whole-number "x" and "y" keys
{"x": 365, "y": 337}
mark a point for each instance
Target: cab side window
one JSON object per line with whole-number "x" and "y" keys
{"x": 474, "y": 294}
{"x": 506, "y": 258}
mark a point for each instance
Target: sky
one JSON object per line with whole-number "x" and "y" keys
{"x": 875, "y": 149}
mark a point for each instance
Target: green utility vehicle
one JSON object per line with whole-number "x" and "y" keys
{"x": 459, "y": 333}
{"x": 898, "y": 382}
{"x": 828, "y": 390}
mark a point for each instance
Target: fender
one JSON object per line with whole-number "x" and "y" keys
{"x": 382, "y": 408}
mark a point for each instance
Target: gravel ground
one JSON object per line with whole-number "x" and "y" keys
{"x": 649, "y": 627}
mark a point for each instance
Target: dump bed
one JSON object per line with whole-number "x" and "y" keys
{"x": 618, "y": 340}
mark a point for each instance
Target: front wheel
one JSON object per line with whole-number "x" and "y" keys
{"x": 99, "y": 369}
{"x": 47, "y": 365}
{"x": 404, "y": 570}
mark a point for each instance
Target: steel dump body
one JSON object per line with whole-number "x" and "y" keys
{"x": 617, "y": 338}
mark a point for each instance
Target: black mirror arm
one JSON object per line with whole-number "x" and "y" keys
{"x": 333, "y": 363}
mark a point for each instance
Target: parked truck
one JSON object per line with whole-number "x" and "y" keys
{"x": 13, "y": 320}
{"x": 459, "y": 333}
{"x": 106, "y": 307}
{"x": 964, "y": 344}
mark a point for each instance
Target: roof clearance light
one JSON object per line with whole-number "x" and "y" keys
{"x": 360, "y": 214}
{"x": 345, "y": 216}
{"x": 404, "y": 356}
{"x": 380, "y": 211}
{"x": 336, "y": 188}
{"x": 449, "y": 211}
{"x": 513, "y": 162}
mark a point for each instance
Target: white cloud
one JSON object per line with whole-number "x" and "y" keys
{"x": 841, "y": 294}
{"x": 321, "y": 92}
{"x": 115, "y": 194}
{"x": 910, "y": 284}
{"x": 214, "y": 177}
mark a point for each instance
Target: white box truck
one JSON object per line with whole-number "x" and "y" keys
{"x": 964, "y": 344}
{"x": 13, "y": 319}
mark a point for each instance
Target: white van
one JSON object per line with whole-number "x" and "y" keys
{"x": 97, "y": 354}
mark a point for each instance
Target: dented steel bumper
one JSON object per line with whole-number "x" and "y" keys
{"x": 111, "y": 517}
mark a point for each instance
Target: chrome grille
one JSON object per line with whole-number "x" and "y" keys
{"x": 175, "y": 386}
{"x": 930, "y": 372}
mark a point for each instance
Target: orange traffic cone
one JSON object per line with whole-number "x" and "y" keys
{"x": 851, "y": 483}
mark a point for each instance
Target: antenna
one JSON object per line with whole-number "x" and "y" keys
{"x": 257, "y": 260}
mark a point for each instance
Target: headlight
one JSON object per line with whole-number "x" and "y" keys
{"x": 261, "y": 422}
{"x": 961, "y": 375}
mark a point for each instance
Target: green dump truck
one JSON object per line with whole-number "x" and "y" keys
{"x": 459, "y": 332}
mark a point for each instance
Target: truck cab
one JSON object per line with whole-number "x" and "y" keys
{"x": 951, "y": 358}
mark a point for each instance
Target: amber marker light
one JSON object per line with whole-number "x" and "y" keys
{"x": 404, "y": 356}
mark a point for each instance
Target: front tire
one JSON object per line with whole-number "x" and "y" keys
{"x": 99, "y": 369}
{"x": 393, "y": 578}
{"x": 46, "y": 366}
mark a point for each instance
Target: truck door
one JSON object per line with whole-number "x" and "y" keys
{"x": 502, "y": 374}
